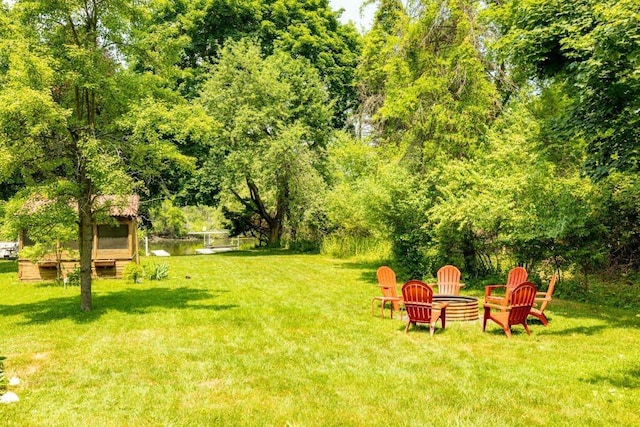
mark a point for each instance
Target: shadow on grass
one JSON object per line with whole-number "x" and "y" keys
{"x": 131, "y": 301}
{"x": 580, "y": 330}
{"x": 628, "y": 378}
{"x": 369, "y": 270}
{"x": 8, "y": 266}
{"x": 259, "y": 253}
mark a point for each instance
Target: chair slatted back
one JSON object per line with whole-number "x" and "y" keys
{"x": 386, "y": 276}
{"x": 418, "y": 299}
{"x": 387, "y": 283}
{"x": 521, "y": 300}
{"x": 449, "y": 280}
{"x": 516, "y": 276}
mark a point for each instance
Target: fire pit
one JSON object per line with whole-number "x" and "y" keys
{"x": 460, "y": 307}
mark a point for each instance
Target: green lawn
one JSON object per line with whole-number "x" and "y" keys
{"x": 281, "y": 339}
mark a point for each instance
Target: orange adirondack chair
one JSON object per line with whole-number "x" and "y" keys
{"x": 418, "y": 301}
{"x": 516, "y": 276}
{"x": 387, "y": 284}
{"x": 449, "y": 280}
{"x": 543, "y": 298}
{"x": 514, "y": 311}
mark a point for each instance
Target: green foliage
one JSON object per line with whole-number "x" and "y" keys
{"x": 199, "y": 218}
{"x": 274, "y": 120}
{"x": 156, "y": 271}
{"x": 304, "y": 29}
{"x": 617, "y": 212}
{"x": 46, "y": 216}
{"x": 584, "y": 56}
{"x": 400, "y": 205}
{"x": 592, "y": 48}
{"x": 349, "y": 247}
{"x": 168, "y": 220}
{"x": 70, "y": 101}
{"x": 352, "y": 168}
{"x": 133, "y": 272}
{"x": 437, "y": 99}
{"x": 73, "y": 278}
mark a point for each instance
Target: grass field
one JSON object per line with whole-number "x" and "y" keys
{"x": 280, "y": 339}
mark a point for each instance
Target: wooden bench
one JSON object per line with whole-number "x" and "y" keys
{"x": 48, "y": 264}
{"x": 104, "y": 263}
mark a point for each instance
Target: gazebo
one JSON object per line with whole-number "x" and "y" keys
{"x": 115, "y": 244}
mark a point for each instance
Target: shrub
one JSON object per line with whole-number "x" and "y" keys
{"x": 157, "y": 271}
{"x": 133, "y": 272}
{"x": 73, "y": 277}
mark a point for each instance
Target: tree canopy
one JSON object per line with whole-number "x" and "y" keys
{"x": 64, "y": 89}
{"x": 273, "y": 118}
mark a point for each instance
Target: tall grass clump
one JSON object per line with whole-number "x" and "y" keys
{"x": 345, "y": 246}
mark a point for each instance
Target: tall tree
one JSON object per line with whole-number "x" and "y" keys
{"x": 584, "y": 57}
{"x": 432, "y": 102}
{"x": 273, "y": 117}
{"x": 305, "y": 28}
{"x": 591, "y": 50}
{"x": 64, "y": 86}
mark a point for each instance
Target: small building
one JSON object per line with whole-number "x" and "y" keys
{"x": 115, "y": 244}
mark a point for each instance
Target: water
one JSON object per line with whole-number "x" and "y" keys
{"x": 175, "y": 247}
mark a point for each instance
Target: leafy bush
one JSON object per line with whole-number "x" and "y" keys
{"x": 168, "y": 220}
{"x": 73, "y": 278}
{"x": 133, "y": 272}
{"x": 157, "y": 271}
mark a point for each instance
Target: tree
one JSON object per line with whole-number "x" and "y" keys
{"x": 380, "y": 46}
{"x": 432, "y": 102}
{"x": 273, "y": 121}
{"x": 591, "y": 50}
{"x": 303, "y": 28}
{"x": 584, "y": 58}
{"x": 64, "y": 86}
{"x": 168, "y": 220}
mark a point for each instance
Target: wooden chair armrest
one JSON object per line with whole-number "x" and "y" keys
{"x": 496, "y": 306}
{"x": 490, "y": 288}
{"x": 434, "y": 306}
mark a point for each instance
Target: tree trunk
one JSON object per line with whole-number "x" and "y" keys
{"x": 274, "y": 222}
{"x": 275, "y": 234}
{"x": 86, "y": 243}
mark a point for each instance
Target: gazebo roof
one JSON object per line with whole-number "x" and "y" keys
{"x": 118, "y": 206}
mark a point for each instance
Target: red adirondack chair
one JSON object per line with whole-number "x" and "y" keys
{"x": 516, "y": 276}
{"x": 418, "y": 302}
{"x": 518, "y": 305}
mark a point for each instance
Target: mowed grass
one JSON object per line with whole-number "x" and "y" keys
{"x": 272, "y": 338}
